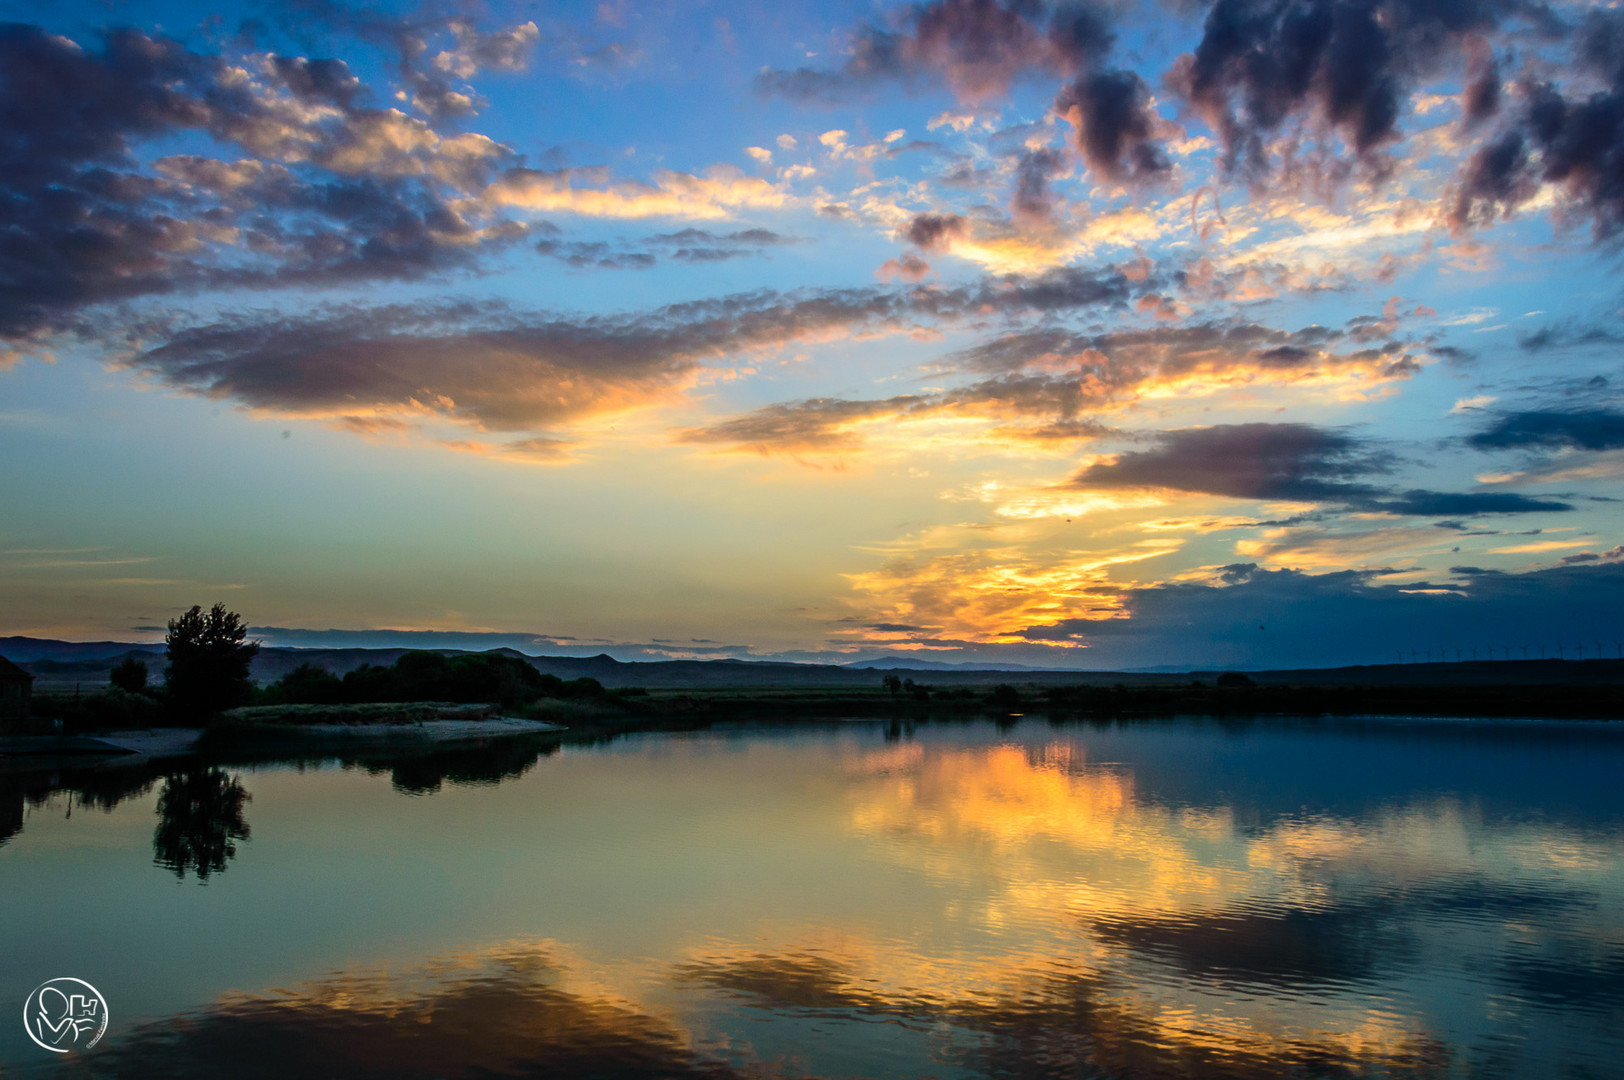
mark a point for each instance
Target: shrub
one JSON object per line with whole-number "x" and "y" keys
{"x": 130, "y": 675}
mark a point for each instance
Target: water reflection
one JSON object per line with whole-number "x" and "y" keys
{"x": 513, "y": 1011}
{"x": 490, "y": 761}
{"x": 1031, "y": 902}
{"x": 27, "y": 788}
{"x": 200, "y": 820}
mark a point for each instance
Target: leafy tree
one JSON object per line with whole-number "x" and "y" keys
{"x": 308, "y": 684}
{"x": 1004, "y": 696}
{"x": 130, "y": 675}
{"x": 208, "y": 661}
{"x": 892, "y": 683}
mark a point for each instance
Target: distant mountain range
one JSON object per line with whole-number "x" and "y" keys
{"x": 64, "y": 665}
{"x": 910, "y": 663}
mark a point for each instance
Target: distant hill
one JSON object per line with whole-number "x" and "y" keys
{"x": 910, "y": 663}
{"x": 20, "y": 649}
{"x": 62, "y": 665}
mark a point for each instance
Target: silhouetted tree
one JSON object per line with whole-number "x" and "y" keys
{"x": 130, "y": 675}
{"x": 308, "y": 684}
{"x": 200, "y": 817}
{"x": 1004, "y": 696}
{"x": 208, "y": 661}
{"x": 892, "y": 683}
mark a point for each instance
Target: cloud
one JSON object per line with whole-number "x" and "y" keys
{"x": 1049, "y": 386}
{"x": 1288, "y": 463}
{"x": 935, "y": 232}
{"x": 1574, "y": 143}
{"x": 594, "y": 255}
{"x": 1253, "y": 617}
{"x": 1262, "y": 64}
{"x": 815, "y": 425}
{"x": 718, "y": 195}
{"x": 702, "y": 246}
{"x": 908, "y": 267}
{"x": 1577, "y": 429}
{"x": 332, "y": 191}
{"x": 1033, "y": 203}
{"x": 489, "y": 367}
{"x": 978, "y": 47}
{"x": 1569, "y": 335}
{"x": 1115, "y": 126}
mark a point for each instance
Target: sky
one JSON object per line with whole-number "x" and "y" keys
{"x": 1087, "y": 335}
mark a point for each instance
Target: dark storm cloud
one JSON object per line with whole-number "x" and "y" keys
{"x": 1578, "y": 429}
{"x": 335, "y": 193}
{"x": 1115, "y": 126}
{"x": 1574, "y": 142}
{"x": 1263, "y": 63}
{"x": 1292, "y": 463}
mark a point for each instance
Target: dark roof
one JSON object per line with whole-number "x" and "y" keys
{"x": 10, "y": 672}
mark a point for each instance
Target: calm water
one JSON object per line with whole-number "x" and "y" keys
{"x": 1186, "y": 898}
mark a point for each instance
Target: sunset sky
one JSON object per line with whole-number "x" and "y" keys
{"x": 1258, "y": 332}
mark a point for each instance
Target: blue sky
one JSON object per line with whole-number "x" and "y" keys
{"x": 1081, "y": 335}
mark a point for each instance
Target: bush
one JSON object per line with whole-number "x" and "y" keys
{"x": 130, "y": 675}
{"x": 113, "y": 710}
{"x": 1004, "y": 696}
{"x": 509, "y": 681}
{"x": 307, "y": 684}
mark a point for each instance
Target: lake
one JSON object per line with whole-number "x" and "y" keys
{"x": 1181, "y": 898}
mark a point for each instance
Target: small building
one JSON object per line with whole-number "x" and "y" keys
{"x": 16, "y": 687}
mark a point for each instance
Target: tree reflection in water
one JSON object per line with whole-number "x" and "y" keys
{"x": 200, "y": 818}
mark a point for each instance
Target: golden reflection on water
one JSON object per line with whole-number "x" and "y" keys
{"x": 1247, "y": 919}
{"x": 1070, "y": 922}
